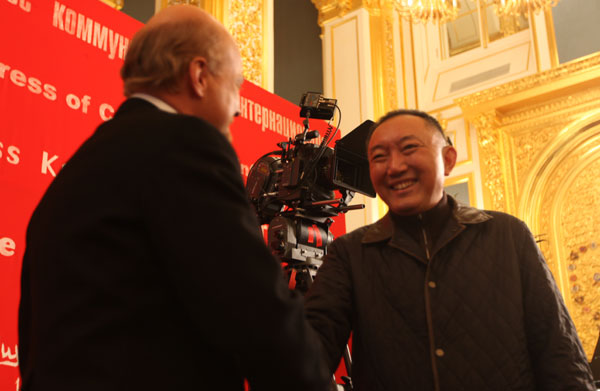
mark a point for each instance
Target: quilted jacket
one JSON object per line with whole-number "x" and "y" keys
{"x": 478, "y": 310}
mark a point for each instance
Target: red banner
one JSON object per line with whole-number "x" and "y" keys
{"x": 59, "y": 79}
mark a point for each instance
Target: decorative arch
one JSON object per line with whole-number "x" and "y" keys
{"x": 561, "y": 198}
{"x": 539, "y": 152}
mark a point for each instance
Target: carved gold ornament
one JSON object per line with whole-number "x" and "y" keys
{"x": 245, "y": 20}
{"x": 246, "y": 25}
{"x": 539, "y": 151}
{"x": 331, "y": 9}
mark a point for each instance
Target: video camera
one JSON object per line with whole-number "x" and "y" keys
{"x": 294, "y": 189}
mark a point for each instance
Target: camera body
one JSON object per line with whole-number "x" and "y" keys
{"x": 294, "y": 189}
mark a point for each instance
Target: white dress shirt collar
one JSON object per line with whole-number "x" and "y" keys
{"x": 159, "y": 103}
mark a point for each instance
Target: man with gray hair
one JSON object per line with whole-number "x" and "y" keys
{"x": 145, "y": 268}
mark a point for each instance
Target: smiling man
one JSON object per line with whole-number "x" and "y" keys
{"x": 408, "y": 159}
{"x": 437, "y": 295}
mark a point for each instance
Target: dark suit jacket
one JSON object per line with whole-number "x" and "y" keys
{"x": 145, "y": 270}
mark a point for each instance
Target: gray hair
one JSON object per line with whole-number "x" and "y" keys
{"x": 159, "y": 55}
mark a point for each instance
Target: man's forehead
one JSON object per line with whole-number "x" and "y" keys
{"x": 395, "y": 138}
{"x": 384, "y": 137}
{"x": 404, "y": 128}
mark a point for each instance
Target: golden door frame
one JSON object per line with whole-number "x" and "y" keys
{"x": 539, "y": 149}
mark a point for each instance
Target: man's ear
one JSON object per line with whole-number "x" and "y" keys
{"x": 449, "y": 156}
{"x": 198, "y": 76}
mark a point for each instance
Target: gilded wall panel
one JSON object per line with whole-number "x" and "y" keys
{"x": 530, "y": 129}
{"x": 527, "y": 145}
{"x": 385, "y": 94}
{"x": 246, "y": 20}
{"x": 539, "y": 149}
{"x": 246, "y": 24}
{"x": 577, "y": 226}
{"x": 519, "y": 118}
{"x": 570, "y": 73}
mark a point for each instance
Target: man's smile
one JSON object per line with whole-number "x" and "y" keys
{"x": 403, "y": 185}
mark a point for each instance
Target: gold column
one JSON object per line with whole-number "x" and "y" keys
{"x": 217, "y": 8}
{"x": 383, "y": 63}
{"x": 551, "y": 38}
{"x": 495, "y": 191}
{"x": 536, "y": 46}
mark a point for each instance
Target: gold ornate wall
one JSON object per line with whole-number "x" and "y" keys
{"x": 539, "y": 147}
{"x": 247, "y": 21}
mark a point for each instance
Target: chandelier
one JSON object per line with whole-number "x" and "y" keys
{"x": 521, "y": 7}
{"x": 439, "y": 11}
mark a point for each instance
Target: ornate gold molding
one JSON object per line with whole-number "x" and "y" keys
{"x": 539, "y": 149}
{"x": 506, "y": 115}
{"x": 574, "y": 72}
{"x": 490, "y": 145}
{"x": 579, "y": 257}
{"x": 332, "y": 9}
{"x": 561, "y": 195}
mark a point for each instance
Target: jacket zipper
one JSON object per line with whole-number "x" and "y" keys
{"x": 436, "y": 380}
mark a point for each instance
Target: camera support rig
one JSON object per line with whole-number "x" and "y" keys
{"x": 293, "y": 190}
